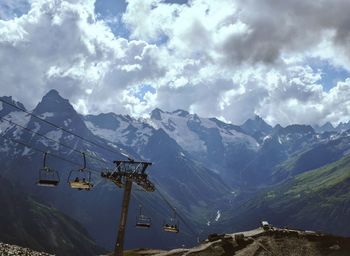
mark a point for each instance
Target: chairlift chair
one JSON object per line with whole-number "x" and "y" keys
{"x": 142, "y": 221}
{"x": 80, "y": 179}
{"x": 172, "y": 225}
{"x": 47, "y": 177}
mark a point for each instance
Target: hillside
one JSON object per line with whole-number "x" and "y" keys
{"x": 318, "y": 200}
{"x": 214, "y": 173}
{"x": 260, "y": 242}
{"x": 29, "y": 223}
{"x": 98, "y": 209}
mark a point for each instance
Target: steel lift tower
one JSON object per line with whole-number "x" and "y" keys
{"x": 125, "y": 173}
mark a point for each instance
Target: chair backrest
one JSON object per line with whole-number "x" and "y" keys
{"x": 48, "y": 177}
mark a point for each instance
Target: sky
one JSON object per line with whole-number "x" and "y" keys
{"x": 286, "y": 61}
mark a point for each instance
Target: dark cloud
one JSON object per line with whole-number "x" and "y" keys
{"x": 287, "y": 27}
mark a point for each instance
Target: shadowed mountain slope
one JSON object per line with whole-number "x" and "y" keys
{"x": 29, "y": 223}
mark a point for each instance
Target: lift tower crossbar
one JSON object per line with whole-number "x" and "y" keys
{"x": 125, "y": 173}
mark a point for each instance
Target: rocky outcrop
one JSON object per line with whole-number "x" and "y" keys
{"x": 14, "y": 250}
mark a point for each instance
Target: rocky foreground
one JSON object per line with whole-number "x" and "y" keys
{"x": 14, "y": 250}
{"x": 260, "y": 242}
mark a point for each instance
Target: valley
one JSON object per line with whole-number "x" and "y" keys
{"x": 217, "y": 175}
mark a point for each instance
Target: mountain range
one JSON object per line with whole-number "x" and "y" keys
{"x": 215, "y": 173}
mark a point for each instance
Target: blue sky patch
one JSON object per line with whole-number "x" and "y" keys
{"x": 331, "y": 75}
{"x": 10, "y": 10}
{"x": 143, "y": 89}
{"x": 111, "y": 12}
{"x": 177, "y": 1}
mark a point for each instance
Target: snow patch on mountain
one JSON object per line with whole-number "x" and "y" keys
{"x": 36, "y": 127}
{"x": 19, "y": 117}
{"x": 55, "y": 135}
{"x": 1, "y": 107}
{"x": 67, "y": 122}
{"x": 26, "y": 151}
{"x": 185, "y": 129}
{"x": 176, "y": 126}
{"x": 5, "y": 147}
{"x": 46, "y": 115}
{"x": 280, "y": 140}
{"x": 129, "y": 132}
{"x": 218, "y": 215}
{"x": 107, "y": 134}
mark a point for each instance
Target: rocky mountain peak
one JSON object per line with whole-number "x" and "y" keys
{"x": 256, "y": 125}
{"x": 54, "y": 108}
{"x": 156, "y": 114}
{"x": 5, "y": 108}
{"x": 53, "y": 102}
{"x": 327, "y": 127}
{"x": 342, "y": 127}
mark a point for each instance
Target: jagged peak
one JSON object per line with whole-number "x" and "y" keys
{"x": 5, "y": 108}
{"x": 225, "y": 125}
{"x": 328, "y": 124}
{"x": 157, "y": 110}
{"x": 52, "y": 93}
{"x": 278, "y": 127}
{"x": 256, "y": 124}
{"x": 258, "y": 118}
{"x": 157, "y": 114}
{"x": 53, "y": 102}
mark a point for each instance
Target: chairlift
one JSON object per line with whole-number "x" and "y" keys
{"x": 80, "y": 179}
{"x": 48, "y": 177}
{"x": 143, "y": 221}
{"x": 172, "y": 225}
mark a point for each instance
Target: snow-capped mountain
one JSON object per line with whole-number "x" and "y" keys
{"x": 199, "y": 135}
{"x": 174, "y": 166}
{"x": 122, "y": 130}
{"x": 223, "y": 147}
{"x": 247, "y": 153}
{"x": 328, "y": 127}
{"x": 201, "y": 164}
{"x": 172, "y": 169}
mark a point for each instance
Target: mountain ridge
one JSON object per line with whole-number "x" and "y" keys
{"x": 203, "y": 165}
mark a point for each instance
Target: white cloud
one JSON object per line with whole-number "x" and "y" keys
{"x": 229, "y": 59}
{"x": 60, "y": 44}
{"x": 238, "y": 58}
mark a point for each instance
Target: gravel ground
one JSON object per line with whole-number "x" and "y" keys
{"x": 14, "y": 250}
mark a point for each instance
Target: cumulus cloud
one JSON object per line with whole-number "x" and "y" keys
{"x": 238, "y": 58}
{"x": 230, "y": 59}
{"x": 60, "y": 44}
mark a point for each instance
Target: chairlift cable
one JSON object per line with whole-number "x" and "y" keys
{"x": 174, "y": 209}
{"x": 43, "y": 152}
{"x": 38, "y": 150}
{"x": 63, "y": 129}
{"x": 55, "y": 141}
{"x": 134, "y": 195}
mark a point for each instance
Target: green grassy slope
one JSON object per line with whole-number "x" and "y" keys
{"x": 318, "y": 200}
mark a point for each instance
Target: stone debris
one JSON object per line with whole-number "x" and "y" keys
{"x": 14, "y": 250}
